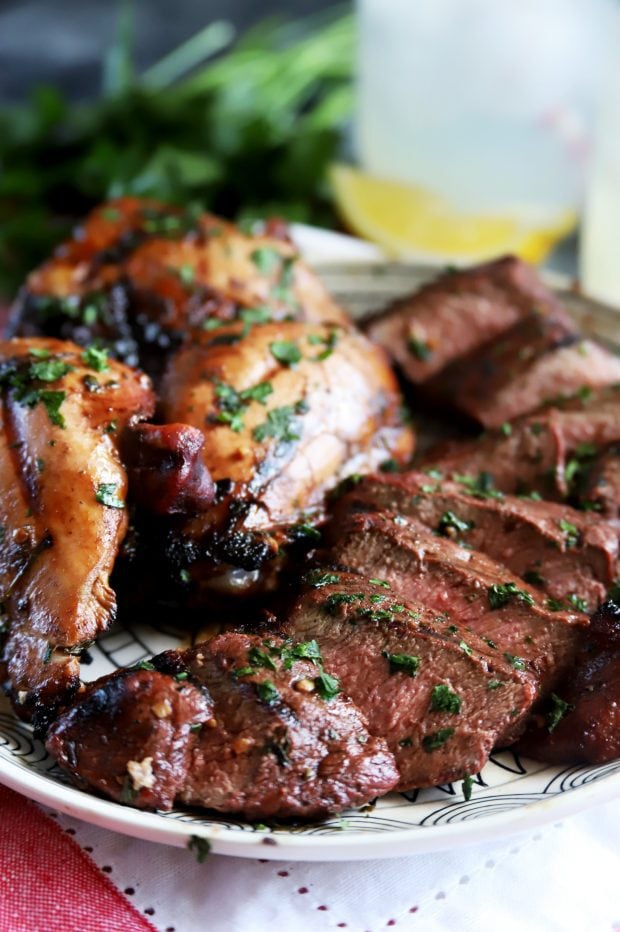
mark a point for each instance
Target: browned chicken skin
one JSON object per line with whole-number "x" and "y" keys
{"x": 287, "y": 410}
{"x": 143, "y": 276}
{"x": 61, "y": 510}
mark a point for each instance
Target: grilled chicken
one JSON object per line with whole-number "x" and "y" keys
{"x": 287, "y": 410}
{"x": 61, "y": 510}
{"x": 142, "y": 276}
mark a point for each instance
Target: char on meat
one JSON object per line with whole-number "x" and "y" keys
{"x": 465, "y": 588}
{"x": 459, "y": 312}
{"x": 542, "y": 453}
{"x": 241, "y": 724}
{"x": 427, "y": 685}
{"x": 143, "y": 276}
{"x": 569, "y": 555}
{"x": 62, "y": 510}
{"x": 580, "y": 722}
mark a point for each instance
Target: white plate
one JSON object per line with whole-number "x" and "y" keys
{"x": 510, "y": 795}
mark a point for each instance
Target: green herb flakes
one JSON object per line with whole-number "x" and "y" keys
{"x": 200, "y": 847}
{"x": 402, "y": 663}
{"x": 106, "y": 494}
{"x": 443, "y": 699}
{"x": 437, "y": 739}
{"x": 500, "y": 595}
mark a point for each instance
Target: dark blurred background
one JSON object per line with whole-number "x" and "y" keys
{"x": 63, "y": 41}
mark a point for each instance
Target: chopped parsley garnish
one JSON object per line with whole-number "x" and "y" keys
{"x": 106, "y": 495}
{"x": 96, "y": 358}
{"x": 243, "y": 671}
{"x": 200, "y": 847}
{"x": 466, "y": 787}
{"x": 443, "y": 699}
{"x": 307, "y": 650}
{"x": 506, "y": 429}
{"x": 402, "y": 663}
{"x": 465, "y": 648}
{"x": 437, "y": 739}
{"x": 317, "y": 579}
{"x": 143, "y": 665}
{"x": 379, "y": 582}
{"x": 480, "y": 486}
{"x": 279, "y": 424}
{"x": 500, "y": 595}
{"x": 267, "y": 692}
{"x": 558, "y": 710}
{"x": 341, "y": 598}
{"x": 327, "y": 686}
{"x": 577, "y": 602}
{"x": 495, "y": 684}
{"x": 232, "y": 403}
{"x": 258, "y": 658}
{"x": 534, "y": 578}
{"x": 449, "y": 521}
{"x": 419, "y": 349}
{"x": 555, "y": 605}
{"x": 304, "y": 532}
{"x": 285, "y": 351}
{"x": 266, "y": 259}
{"x": 49, "y": 369}
{"x": 571, "y": 533}
{"x": 517, "y": 662}
{"x": 329, "y": 342}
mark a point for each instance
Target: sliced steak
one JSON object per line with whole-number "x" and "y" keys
{"x": 277, "y": 737}
{"x": 581, "y": 722}
{"x": 601, "y": 488}
{"x": 569, "y": 555}
{"x": 467, "y": 588}
{"x": 129, "y": 736}
{"x": 535, "y": 453}
{"x": 539, "y": 359}
{"x": 457, "y": 313}
{"x": 423, "y": 683}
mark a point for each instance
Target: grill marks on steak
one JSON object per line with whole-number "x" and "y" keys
{"x": 570, "y": 556}
{"x": 581, "y": 722}
{"x": 467, "y": 588}
{"x": 272, "y": 743}
{"x": 540, "y": 452}
{"x": 422, "y": 682}
{"x": 459, "y": 312}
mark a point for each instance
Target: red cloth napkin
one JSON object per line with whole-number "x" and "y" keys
{"x": 48, "y": 884}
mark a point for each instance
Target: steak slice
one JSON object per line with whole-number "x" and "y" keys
{"x": 535, "y": 453}
{"x": 129, "y": 736}
{"x": 539, "y": 359}
{"x": 601, "y": 489}
{"x": 457, "y": 313}
{"x": 467, "y": 588}
{"x": 241, "y": 724}
{"x": 569, "y": 555}
{"x": 423, "y": 684}
{"x": 581, "y": 723}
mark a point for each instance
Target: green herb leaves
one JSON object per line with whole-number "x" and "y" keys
{"x": 232, "y": 403}
{"x": 402, "y": 663}
{"x": 450, "y": 523}
{"x": 106, "y": 494}
{"x": 437, "y": 740}
{"x": 443, "y": 699}
{"x": 558, "y": 709}
{"x": 572, "y": 536}
{"x": 200, "y": 847}
{"x": 286, "y": 352}
{"x": 281, "y": 424}
{"x": 327, "y": 686}
{"x": 501, "y": 594}
{"x": 96, "y": 358}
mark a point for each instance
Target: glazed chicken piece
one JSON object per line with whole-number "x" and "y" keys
{"x": 142, "y": 276}
{"x": 61, "y": 510}
{"x": 287, "y": 410}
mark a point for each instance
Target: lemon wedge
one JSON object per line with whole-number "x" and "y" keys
{"x": 413, "y": 223}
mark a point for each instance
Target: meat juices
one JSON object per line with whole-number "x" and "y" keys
{"x": 277, "y": 739}
{"x": 425, "y": 684}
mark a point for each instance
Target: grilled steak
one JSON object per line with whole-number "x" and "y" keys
{"x": 62, "y": 510}
{"x": 422, "y": 682}
{"x": 539, "y": 453}
{"x": 278, "y": 738}
{"x": 143, "y": 276}
{"x": 130, "y": 735}
{"x": 466, "y": 588}
{"x": 600, "y": 489}
{"x": 539, "y": 359}
{"x": 581, "y": 722}
{"x": 570, "y": 556}
{"x": 457, "y": 313}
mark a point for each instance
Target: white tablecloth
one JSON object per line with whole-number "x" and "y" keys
{"x": 564, "y": 877}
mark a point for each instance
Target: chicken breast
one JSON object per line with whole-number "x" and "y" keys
{"x": 61, "y": 510}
